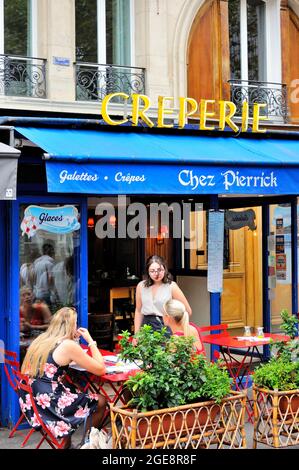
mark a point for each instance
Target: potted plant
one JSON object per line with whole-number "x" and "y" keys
{"x": 276, "y": 391}
{"x": 177, "y": 397}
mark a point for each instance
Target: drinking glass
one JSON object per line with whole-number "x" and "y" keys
{"x": 247, "y": 331}
{"x": 260, "y": 332}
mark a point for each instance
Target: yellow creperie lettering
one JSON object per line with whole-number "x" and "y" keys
{"x": 139, "y": 112}
{"x": 224, "y": 112}
{"x": 162, "y": 110}
{"x": 105, "y": 113}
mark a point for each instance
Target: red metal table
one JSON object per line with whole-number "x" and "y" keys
{"x": 105, "y": 384}
{"x": 230, "y": 348}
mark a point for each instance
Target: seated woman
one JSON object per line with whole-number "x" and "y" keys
{"x": 62, "y": 407}
{"x": 176, "y": 317}
{"x": 33, "y": 315}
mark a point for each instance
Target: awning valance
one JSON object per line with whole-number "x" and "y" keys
{"x": 8, "y": 171}
{"x": 101, "y": 162}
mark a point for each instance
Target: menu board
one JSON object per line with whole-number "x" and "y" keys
{"x": 283, "y": 242}
{"x": 215, "y": 251}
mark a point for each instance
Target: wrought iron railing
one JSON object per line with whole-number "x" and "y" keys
{"x": 95, "y": 81}
{"x": 22, "y": 76}
{"x": 272, "y": 94}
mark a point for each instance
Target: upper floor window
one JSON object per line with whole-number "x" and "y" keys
{"x": 103, "y": 31}
{"x": 247, "y": 32}
{"x": 17, "y": 27}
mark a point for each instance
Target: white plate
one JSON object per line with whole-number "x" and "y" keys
{"x": 124, "y": 368}
{"x": 111, "y": 358}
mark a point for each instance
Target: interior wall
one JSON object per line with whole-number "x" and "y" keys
{"x": 196, "y": 292}
{"x": 290, "y": 59}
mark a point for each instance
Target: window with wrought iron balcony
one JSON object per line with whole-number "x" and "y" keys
{"x": 274, "y": 95}
{"x": 21, "y": 73}
{"x": 255, "y": 63}
{"x": 22, "y": 76}
{"x": 104, "y": 45}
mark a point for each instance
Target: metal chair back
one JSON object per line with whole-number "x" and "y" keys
{"x": 23, "y": 383}
{"x": 101, "y": 327}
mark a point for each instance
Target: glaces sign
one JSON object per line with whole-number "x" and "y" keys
{"x": 221, "y": 111}
{"x": 51, "y": 219}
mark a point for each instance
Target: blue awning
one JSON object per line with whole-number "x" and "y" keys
{"x": 101, "y": 162}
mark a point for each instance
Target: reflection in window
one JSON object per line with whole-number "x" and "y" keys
{"x": 234, "y": 39}
{"x": 49, "y": 267}
{"x": 256, "y": 39}
{"x": 16, "y": 24}
{"x": 118, "y": 32}
{"x": 86, "y": 31}
{"x": 247, "y": 61}
{"x": 117, "y": 36}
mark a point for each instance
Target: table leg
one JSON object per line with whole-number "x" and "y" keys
{"x": 238, "y": 369}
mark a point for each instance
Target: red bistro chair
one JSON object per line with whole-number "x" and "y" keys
{"x": 23, "y": 383}
{"x": 230, "y": 364}
{"x": 202, "y": 349}
{"x": 11, "y": 363}
{"x": 117, "y": 347}
{"x": 221, "y": 328}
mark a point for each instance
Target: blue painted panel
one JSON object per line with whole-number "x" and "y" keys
{"x": 294, "y": 247}
{"x": 134, "y": 178}
{"x": 13, "y": 302}
{"x": 3, "y": 312}
{"x": 10, "y": 407}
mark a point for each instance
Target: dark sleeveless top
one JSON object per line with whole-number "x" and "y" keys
{"x": 61, "y": 406}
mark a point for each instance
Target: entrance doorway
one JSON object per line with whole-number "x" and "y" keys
{"x": 241, "y": 300}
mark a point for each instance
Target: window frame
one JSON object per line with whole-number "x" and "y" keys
{"x": 101, "y": 33}
{"x": 33, "y": 21}
{"x": 272, "y": 51}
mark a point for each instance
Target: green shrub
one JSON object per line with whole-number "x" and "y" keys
{"x": 289, "y": 350}
{"x": 277, "y": 374}
{"x": 172, "y": 374}
{"x": 282, "y": 371}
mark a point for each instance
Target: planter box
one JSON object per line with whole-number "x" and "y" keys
{"x": 276, "y": 417}
{"x": 197, "y": 425}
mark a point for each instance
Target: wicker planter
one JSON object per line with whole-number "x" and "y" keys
{"x": 276, "y": 417}
{"x": 193, "y": 426}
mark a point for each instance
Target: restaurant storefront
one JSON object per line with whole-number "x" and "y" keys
{"x": 68, "y": 172}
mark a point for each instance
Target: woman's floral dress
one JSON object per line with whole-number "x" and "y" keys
{"x": 61, "y": 407}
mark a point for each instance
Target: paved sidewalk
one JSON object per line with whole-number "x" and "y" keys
{"x": 16, "y": 441}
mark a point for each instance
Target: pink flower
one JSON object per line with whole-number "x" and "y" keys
{"x": 50, "y": 370}
{"x": 34, "y": 421}
{"x": 51, "y": 426}
{"x": 70, "y": 394}
{"x": 25, "y": 405}
{"x": 28, "y": 401}
{"x": 93, "y": 396}
{"x": 22, "y": 405}
{"x": 61, "y": 429}
{"x": 82, "y": 412}
{"x": 65, "y": 400}
{"x": 43, "y": 400}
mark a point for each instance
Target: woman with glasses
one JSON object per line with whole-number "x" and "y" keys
{"x": 153, "y": 292}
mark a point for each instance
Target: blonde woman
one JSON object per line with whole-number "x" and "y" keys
{"x": 62, "y": 407}
{"x": 176, "y": 317}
